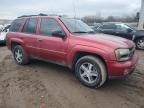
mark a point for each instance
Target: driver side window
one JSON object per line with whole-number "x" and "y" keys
{"x": 48, "y": 26}
{"x": 121, "y": 28}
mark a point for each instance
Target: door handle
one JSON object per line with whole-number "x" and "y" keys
{"x": 39, "y": 40}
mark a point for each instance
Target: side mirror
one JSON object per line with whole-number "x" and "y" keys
{"x": 129, "y": 30}
{"x": 59, "y": 34}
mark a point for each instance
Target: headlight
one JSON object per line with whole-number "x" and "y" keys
{"x": 122, "y": 54}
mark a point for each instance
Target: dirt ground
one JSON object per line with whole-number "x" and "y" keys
{"x": 45, "y": 85}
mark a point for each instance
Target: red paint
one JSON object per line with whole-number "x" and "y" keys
{"x": 64, "y": 50}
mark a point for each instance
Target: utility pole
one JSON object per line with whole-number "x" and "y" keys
{"x": 141, "y": 19}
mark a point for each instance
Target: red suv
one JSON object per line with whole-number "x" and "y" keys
{"x": 70, "y": 42}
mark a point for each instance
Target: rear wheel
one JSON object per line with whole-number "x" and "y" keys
{"x": 140, "y": 43}
{"x": 91, "y": 71}
{"x": 20, "y": 55}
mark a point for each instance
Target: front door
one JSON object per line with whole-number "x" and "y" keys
{"x": 51, "y": 47}
{"x": 124, "y": 31}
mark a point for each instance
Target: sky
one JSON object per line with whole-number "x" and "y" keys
{"x": 10, "y": 9}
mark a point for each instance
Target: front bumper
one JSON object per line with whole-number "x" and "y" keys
{"x": 121, "y": 69}
{"x": 2, "y": 41}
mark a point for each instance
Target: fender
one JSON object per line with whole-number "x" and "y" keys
{"x": 16, "y": 40}
{"x": 87, "y": 49}
{"x": 138, "y": 37}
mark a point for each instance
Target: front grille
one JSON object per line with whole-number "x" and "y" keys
{"x": 132, "y": 51}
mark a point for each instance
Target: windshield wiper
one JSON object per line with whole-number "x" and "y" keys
{"x": 79, "y": 32}
{"x": 92, "y": 32}
{"x": 83, "y": 32}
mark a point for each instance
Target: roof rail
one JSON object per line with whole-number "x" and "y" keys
{"x": 41, "y": 14}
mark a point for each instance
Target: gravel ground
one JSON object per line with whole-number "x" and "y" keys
{"x": 45, "y": 85}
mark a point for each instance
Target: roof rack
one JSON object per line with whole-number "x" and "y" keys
{"x": 41, "y": 14}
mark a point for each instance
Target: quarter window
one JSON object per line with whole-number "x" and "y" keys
{"x": 30, "y": 26}
{"x": 48, "y": 26}
{"x": 16, "y": 25}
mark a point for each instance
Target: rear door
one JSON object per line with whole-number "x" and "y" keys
{"x": 52, "y": 47}
{"x": 29, "y": 37}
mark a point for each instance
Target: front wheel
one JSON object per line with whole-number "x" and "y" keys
{"x": 20, "y": 55}
{"x": 140, "y": 43}
{"x": 91, "y": 71}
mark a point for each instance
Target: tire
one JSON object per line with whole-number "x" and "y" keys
{"x": 140, "y": 43}
{"x": 20, "y": 55}
{"x": 91, "y": 71}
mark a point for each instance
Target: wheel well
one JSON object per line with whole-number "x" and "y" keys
{"x": 138, "y": 38}
{"x": 81, "y": 54}
{"x": 14, "y": 44}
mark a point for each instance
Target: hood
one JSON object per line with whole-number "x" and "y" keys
{"x": 107, "y": 40}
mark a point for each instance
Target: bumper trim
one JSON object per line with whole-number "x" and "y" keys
{"x": 119, "y": 77}
{"x": 122, "y": 69}
{"x": 2, "y": 41}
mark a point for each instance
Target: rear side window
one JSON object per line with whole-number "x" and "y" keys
{"x": 30, "y": 26}
{"x": 108, "y": 26}
{"x": 48, "y": 26}
{"x": 16, "y": 25}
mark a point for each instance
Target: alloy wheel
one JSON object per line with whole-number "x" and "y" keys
{"x": 89, "y": 73}
{"x": 140, "y": 44}
{"x": 18, "y": 55}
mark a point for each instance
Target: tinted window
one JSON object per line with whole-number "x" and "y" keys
{"x": 76, "y": 26}
{"x": 16, "y": 25}
{"x": 122, "y": 27}
{"x": 48, "y": 26}
{"x": 30, "y": 26}
{"x": 108, "y": 26}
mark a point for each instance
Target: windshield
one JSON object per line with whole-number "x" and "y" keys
{"x": 76, "y": 26}
{"x": 124, "y": 27}
{"x": 132, "y": 27}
